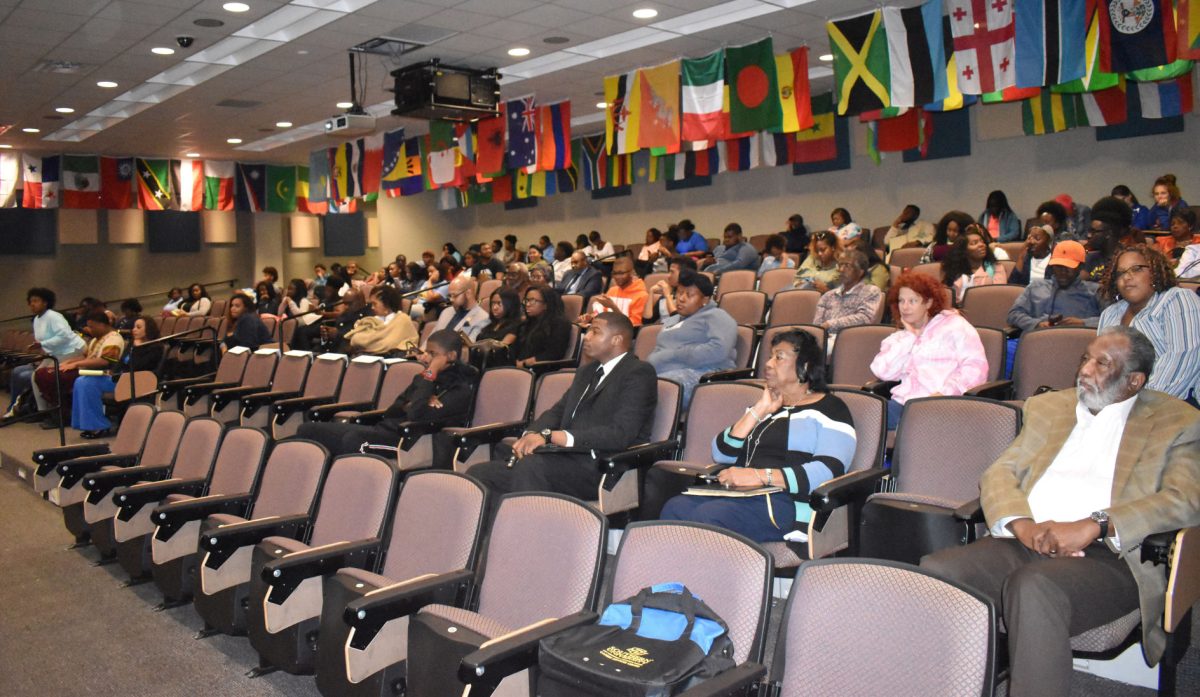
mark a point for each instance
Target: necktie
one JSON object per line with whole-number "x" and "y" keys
{"x": 591, "y": 387}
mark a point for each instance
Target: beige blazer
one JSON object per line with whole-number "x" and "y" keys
{"x": 1156, "y": 486}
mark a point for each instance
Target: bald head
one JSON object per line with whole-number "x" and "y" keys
{"x": 578, "y": 260}
{"x": 462, "y": 292}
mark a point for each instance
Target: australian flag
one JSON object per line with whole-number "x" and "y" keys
{"x": 522, "y": 133}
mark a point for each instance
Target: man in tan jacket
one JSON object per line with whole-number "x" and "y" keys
{"x": 1093, "y": 472}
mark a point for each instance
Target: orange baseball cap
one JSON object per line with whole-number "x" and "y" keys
{"x": 1068, "y": 253}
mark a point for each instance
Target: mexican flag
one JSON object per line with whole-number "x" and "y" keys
{"x": 81, "y": 181}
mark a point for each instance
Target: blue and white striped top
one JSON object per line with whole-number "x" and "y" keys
{"x": 1171, "y": 321}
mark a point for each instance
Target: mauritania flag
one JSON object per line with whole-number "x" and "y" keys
{"x": 703, "y": 88}
{"x": 80, "y": 181}
{"x": 1049, "y": 41}
{"x": 281, "y": 188}
{"x": 861, "y": 67}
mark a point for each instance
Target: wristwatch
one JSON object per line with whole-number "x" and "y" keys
{"x": 545, "y": 433}
{"x": 1101, "y": 519}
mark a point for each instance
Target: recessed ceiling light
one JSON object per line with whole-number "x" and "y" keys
{"x": 162, "y": 51}
{"x": 518, "y": 51}
{"x": 645, "y": 13}
{"x": 283, "y": 124}
{"x": 344, "y": 105}
{"x": 5, "y": 146}
{"x": 32, "y": 130}
{"x": 601, "y": 105}
{"x": 234, "y": 141}
{"x": 106, "y": 84}
{"x": 235, "y": 7}
{"x": 825, "y": 57}
{"x": 64, "y": 110}
{"x": 193, "y": 154}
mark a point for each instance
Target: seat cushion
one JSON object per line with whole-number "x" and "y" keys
{"x": 1107, "y": 636}
{"x": 226, "y": 518}
{"x": 468, "y": 619}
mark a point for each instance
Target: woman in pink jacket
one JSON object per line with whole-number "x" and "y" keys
{"x": 935, "y": 352}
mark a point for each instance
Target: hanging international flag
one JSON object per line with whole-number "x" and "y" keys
{"x": 187, "y": 185}
{"x": 413, "y": 161}
{"x": 622, "y": 115}
{"x": 116, "y": 182}
{"x": 154, "y": 184}
{"x": 554, "y": 136}
{"x": 1105, "y": 107}
{"x": 1136, "y": 124}
{"x": 1094, "y": 50}
{"x": 914, "y": 39}
{"x": 489, "y": 160}
{"x": 304, "y": 203}
{"x": 794, "y": 96}
{"x": 1010, "y": 94}
{"x": 218, "y": 184}
{"x": 702, "y": 91}
{"x": 983, "y": 43}
{"x": 395, "y": 166}
{"x": 281, "y": 188}
{"x": 1140, "y": 34}
{"x": 567, "y": 179}
{"x": 464, "y": 137}
{"x": 777, "y": 149}
{"x": 80, "y": 181}
{"x": 1187, "y": 12}
{"x": 740, "y": 154}
{"x": 1170, "y": 71}
{"x": 341, "y": 182}
{"x": 318, "y": 178}
{"x": 593, "y": 159}
{"x": 658, "y": 117}
{"x": 10, "y": 174}
{"x": 372, "y": 166}
{"x": 443, "y": 157}
{"x": 522, "y": 133}
{"x": 692, "y": 164}
{"x": 861, "y": 68}
{"x": 947, "y": 80}
{"x": 753, "y": 87}
{"x": 250, "y": 190}
{"x": 1162, "y": 100}
{"x": 817, "y": 144}
{"x": 1051, "y": 112}
{"x": 943, "y": 135}
{"x": 898, "y": 133}
{"x": 41, "y": 181}
{"x": 1049, "y": 41}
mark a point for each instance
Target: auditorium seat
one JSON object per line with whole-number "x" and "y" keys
{"x": 359, "y": 385}
{"x": 715, "y": 406}
{"x": 572, "y": 306}
{"x": 995, "y": 349}
{"x": 855, "y": 348}
{"x": 286, "y": 575}
{"x": 932, "y": 269}
{"x": 907, "y": 258}
{"x": 144, "y": 381}
{"x": 287, "y": 373}
{"x": 396, "y": 379}
{"x": 235, "y": 470}
{"x": 1046, "y": 359}
{"x": 646, "y": 340}
{"x": 745, "y": 306}
{"x": 542, "y": 563}
{"x": 289, "y": 381}
{"x": 624, "y": 474}
{"x": 572, "y": 356}
{"x": 487, "y": 287}
{"x": 287, "y": 329}
{"x": 940, "y": 637}
{"x": 988, "y": 306}
{"x": 550, "y": 388}
{"x": 272, "y": 325}
{"x": 744, "y": 371}
{"x": 131, "y": 435}
{"x": 653, "y": 278}
{"x": 736, "y": 280}
{"x": 288, "y": 486}
{"x": 175, "y": 394}
{"x": 796, "y": 306}
{"x": 217, "y": 308}
{"x": 731, "y": 574}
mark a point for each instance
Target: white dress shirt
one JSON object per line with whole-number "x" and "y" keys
{"x": 608, "y": 367}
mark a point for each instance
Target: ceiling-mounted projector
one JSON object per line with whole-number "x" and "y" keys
{"x": 431, "y": 90}
{"x": 350, "y": 125}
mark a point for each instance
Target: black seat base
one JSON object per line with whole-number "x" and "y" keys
{"x": 294, "y": 649}
{"x": 176, "y": 579}
{"x": 134, "y": 555}
{"x": 224, "y": 611}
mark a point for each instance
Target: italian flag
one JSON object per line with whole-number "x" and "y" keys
{"x": 81, "y": 181}
{"x": 218, "y": 186}
{"x": 703, "y": 90}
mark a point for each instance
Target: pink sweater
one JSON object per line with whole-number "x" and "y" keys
{"x": 945, "y": 358}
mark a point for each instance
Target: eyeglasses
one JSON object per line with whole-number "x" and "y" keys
{"x": 1136, "y": 268}
{"x": 531, "y": 301}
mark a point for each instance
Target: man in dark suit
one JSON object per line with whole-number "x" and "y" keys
{"x": 609, "y": 407}
{"x": 582, "y": 279}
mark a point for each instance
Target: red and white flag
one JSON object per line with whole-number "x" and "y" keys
{"x": 188, "y": 185}
{"x": 984, "y": 45}
{"x": 41, "y": 181}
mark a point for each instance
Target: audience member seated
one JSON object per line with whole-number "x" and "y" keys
{"x": 999, "y": 220}
{"x": 700, "y": 338}
{"x": 775, "y": 255}
{"x": 1183, "y": 233}
{"x": 796, "y": 235}
{"x": 516, "y": 277}
{"x": 489, "y": 266}
{"x": 131, "y": 309}
{"x": 1145, "y": 296}
{"x": 669, "y": 241}
{"x": 948, "y": 229}
{"x": 87, "y": 394}
{"x": 1033, "y": 265}
{"x": 464, "y": 314}
{"x": 1065, "y": 301}
{"x": 1078, "y": 217}
{"x": 547, "y": 248}
{"x": 735, "y": 253}
{"x": 320, "y": 278}
{"x": 266, "y": 299}
{"x": 691, "y": 243}
{"x": 908, "y": 230}
{"x": 450, "y": 250}
{"x": 608, "y": 408}
{"x": 245, "y": 327}
{"x": 337, "y": 317}
{"x": 843, "y": 226}
{"x": 87, "y": 307}
{"x": 1108, "y": 231}
{"x": 433, "y": 294}
{"x": 971, "y": 262}
{"x": 494, "y": 343}
{"x": 1141, "y": 215}
{"x": 661, "y": 303}
{"x": 388, "y": 331}
{"x": 1166, "y": 199}
{"x": 878, "y": 273}
{"x": 1093, "y": 472}
{"x": 546, "y": 331}
{"x": 103, "y": 352}
{"x": 53, "y": 336}
{"x": 819, "y": 269}
{"x": 796, "y": 437}
{"x": 509, "y": 253}
{"x": 563, "y": 253}
{"x": 626, "y": 295}
{"x": 174, "y": 299}
{"x": 295, "y": 303}
{"x": 583, "y": 279}
{"x": 541, "y": 274}
{"x": 936, "y": 351}
{"x": 1189, "y": 263}
{"x": 197, "y": 303}
{"x": 853, "y": 301}
{"x": 598, "y": 247}
{"x": 650, "y": 251}
{"x": 442, "y": 394}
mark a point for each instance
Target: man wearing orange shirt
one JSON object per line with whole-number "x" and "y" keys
{"x": 627, "y": 295}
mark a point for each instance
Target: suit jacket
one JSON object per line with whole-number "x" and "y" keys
{"x": 611, "y": 418}
{"x": 591, "y": 284}
{"x": 1156, "y": 486}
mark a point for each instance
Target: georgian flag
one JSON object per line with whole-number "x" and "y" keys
{"x": 984, "y": 44}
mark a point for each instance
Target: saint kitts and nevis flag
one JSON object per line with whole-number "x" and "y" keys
{"x": 153, "y": 183}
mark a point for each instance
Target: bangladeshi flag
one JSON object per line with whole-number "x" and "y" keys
{"x": 753, "y": 87}
{"x": 154, "y": 184}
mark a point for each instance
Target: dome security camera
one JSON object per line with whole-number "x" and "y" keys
{"x": 184, "y": 41}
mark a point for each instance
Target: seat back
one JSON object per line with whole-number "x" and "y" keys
{"x": 396, "y": 380}
{"x": 988, "y": 306}
{"x": 744, "y": 348}
{"x": 354, "y": 499}
{"x": 1049, "y": 357}
{"x": 646, "y": 340}
{"x": 232, "y": 366}
{"x": 941, "y": 636}
{"x": 436, "y": 526}
{"x": 652, "y": 278}
{"x": 272, "y": 326}
{"x": 217, "y": 309}
{"x": 292, "y": 370}
{"x": 287, "y": 330}
{"x": 869, "y": 412}
{"x": 145, "y": 381}
{"x": 325, "y": 375}
{"x": 291, "y": 479}
{"x": 715, "y": 406}
{"x": 426, "y": 330}
{"x": 550, "y": 388}
{"x": 796, "y": 306}
{"x": 731, "y": 574}
{"x": 736, "y": 280}
{"x": 544, "y": 559}
{"x": 906, "y": 258}
{"x": 197, "y": 448}
{"x": 745, "y": 306}
{"x": 776, "y": 281}
{"x": 167, "y": 325}
{"x": 944, "y": 444}
{"x": 572, "y": 305}
{"x": 163, "y": 439}
{"x": 132, "y": 433}
{"x": 503, "y": 396}
{"x": 853, "y": 352}
{"x": 764, "y": 347}
{"x": 995, "y": 348}
{"x": 666, "y": 410}
{"x": 360, "y": 383}
{"x": 486, "y": 288}
{"x": 260, "y": 368}
{"x": 1014, "y": 250}
{"x": 573, "y": 343}
{"x": 239, "y": 462}
{"x": 759, "y": 242}
{"x": 933, "y": 269}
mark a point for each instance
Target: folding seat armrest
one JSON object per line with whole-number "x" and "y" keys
{"x": 227, "y": 539}
{"x": 368, "y": 614}
{"x": 846, "y": 489}
{"x": 742, "y": 679}
{"x": 132, "y": 499}
{"x": 326, "y": 412}
{"x": 170, "y": 517}
{"x": 684, "y": 467}
{"x": 253, "y": 401}
{"x": 100, "y": 484}
{"x": 1156, "y": 548}
{"x": 512, "y": 653}
{"x": 473, "y": 437}
{"x": 543, "y": 367}
{"x": 370, "y": 418}
{"x": 295, "y": 404}
{"x": 727, "y": 375}
{"x": 49, "y": 459}
{"x": 168, "y": 386}
{"x": 883, "y": 388}
{"x": 286, "y": 573}
{"x": 232, "y": 394}
{"x": 644, "y": 455}
{"x": 996, "y": 389}
{"x": 970, "y": 512}
{"x": 74, "y": 470}
{"x": 200, "y": 387}
{"x": 1011, "y": 332}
